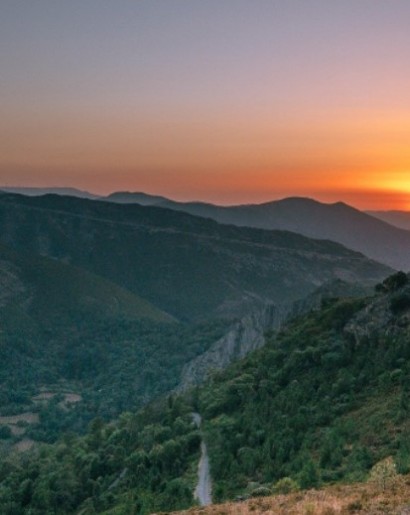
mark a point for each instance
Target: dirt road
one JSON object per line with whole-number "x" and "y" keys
{"x": 203, "y": 490}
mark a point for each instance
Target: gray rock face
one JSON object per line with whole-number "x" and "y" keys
{"x": 379, "y": 319}
{"x": 244, "y": 337}
{"x": 249, "y": 333}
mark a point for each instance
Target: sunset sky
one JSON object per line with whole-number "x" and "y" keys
{"x": 228, "y": 101}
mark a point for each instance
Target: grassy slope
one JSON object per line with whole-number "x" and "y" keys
{"x": 54, "y": 289}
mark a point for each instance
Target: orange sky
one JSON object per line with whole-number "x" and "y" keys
{"x": 197, "y": 101}
{"x": 361, "y": 158}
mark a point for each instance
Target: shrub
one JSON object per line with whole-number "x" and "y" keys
{"x": 384, "y": 474}
{"x": 261, "y": 491}
{"x": 394, "y": 282}
{"x": 286, "y": 485}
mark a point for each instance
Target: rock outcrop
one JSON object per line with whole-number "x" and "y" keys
{"x": 248, "y": 334}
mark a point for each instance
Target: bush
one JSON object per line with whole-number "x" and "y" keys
{"x": 393, "y": 282}
{"x": 286, "y": 485}
{"x": 261, "y": 491}
{"x": 384, "y": 474}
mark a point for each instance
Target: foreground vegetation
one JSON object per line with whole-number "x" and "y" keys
{"x": 324, "y": 402}
{"x": 142, "y": 464}
{"x": 321, "y": 402}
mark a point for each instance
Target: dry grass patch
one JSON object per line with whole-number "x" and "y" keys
{"x": 361, "y": 498}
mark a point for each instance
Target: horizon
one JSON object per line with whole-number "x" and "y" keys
{"x": 7, "y": 189}
{"x": 199, "y": 100}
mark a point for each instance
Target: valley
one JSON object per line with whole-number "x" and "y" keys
{"x": 120, "y": 321}
{"x": 304, "y": 407}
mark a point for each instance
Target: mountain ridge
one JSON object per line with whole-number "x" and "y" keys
{"x": 57, "y": 190}
{"x": 337, "y": 221}
{"x": 169, "y": 257}
{"x": 394, "y": 217}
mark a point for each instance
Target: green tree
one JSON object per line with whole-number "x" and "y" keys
{"x": 309, "y": 476}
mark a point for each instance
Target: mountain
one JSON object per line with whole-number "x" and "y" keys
{"x": 337, "y": 222}
{"x": 144, "y": 199}
{"x": 190, "y": 267}
{"x": 327, "y": 400}
{"x": 42, "y": 289}
{"x": 399, "y": 219}
{"x": 34, "y": 192}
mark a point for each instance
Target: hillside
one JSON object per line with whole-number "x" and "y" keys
{"x": 190, "y": 267}
{"x": 400, "y": 219}
{"x": 325, "y": 401}
{"x": 68, "y": 334}
{"x": 360, "y": 498}
{"x": 43, "y": 289}
{"x": 337, "y": 222}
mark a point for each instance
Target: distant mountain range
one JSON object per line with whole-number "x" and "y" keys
{"x": 337, "y": 222}
{"x": 190, "y": 267}
{"x": 398, "y": 218}
{"x": 380, "y": 235}
{"x": 36, "y": 192}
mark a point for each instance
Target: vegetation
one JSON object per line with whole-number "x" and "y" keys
{"x": 115, "y": 365}
{"x": 190, "y": 267}
{"x": 316, "y": 405}
{"x": 142, "y": 464}
{"x": 64, "y": 330}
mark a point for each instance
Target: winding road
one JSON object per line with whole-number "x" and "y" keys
{"x": 203, "y": 490}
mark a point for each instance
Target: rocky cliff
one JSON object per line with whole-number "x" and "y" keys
{"x": 248, "y": 333}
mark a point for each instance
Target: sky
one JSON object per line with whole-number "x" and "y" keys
{"x": 228, "y": 101}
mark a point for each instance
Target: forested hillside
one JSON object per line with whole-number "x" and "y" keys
{"x": 74, "y": 344}
{"x": 188, "y": 266}
{"x": 379, "y": 235}
{"x": 322, "y": 402}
